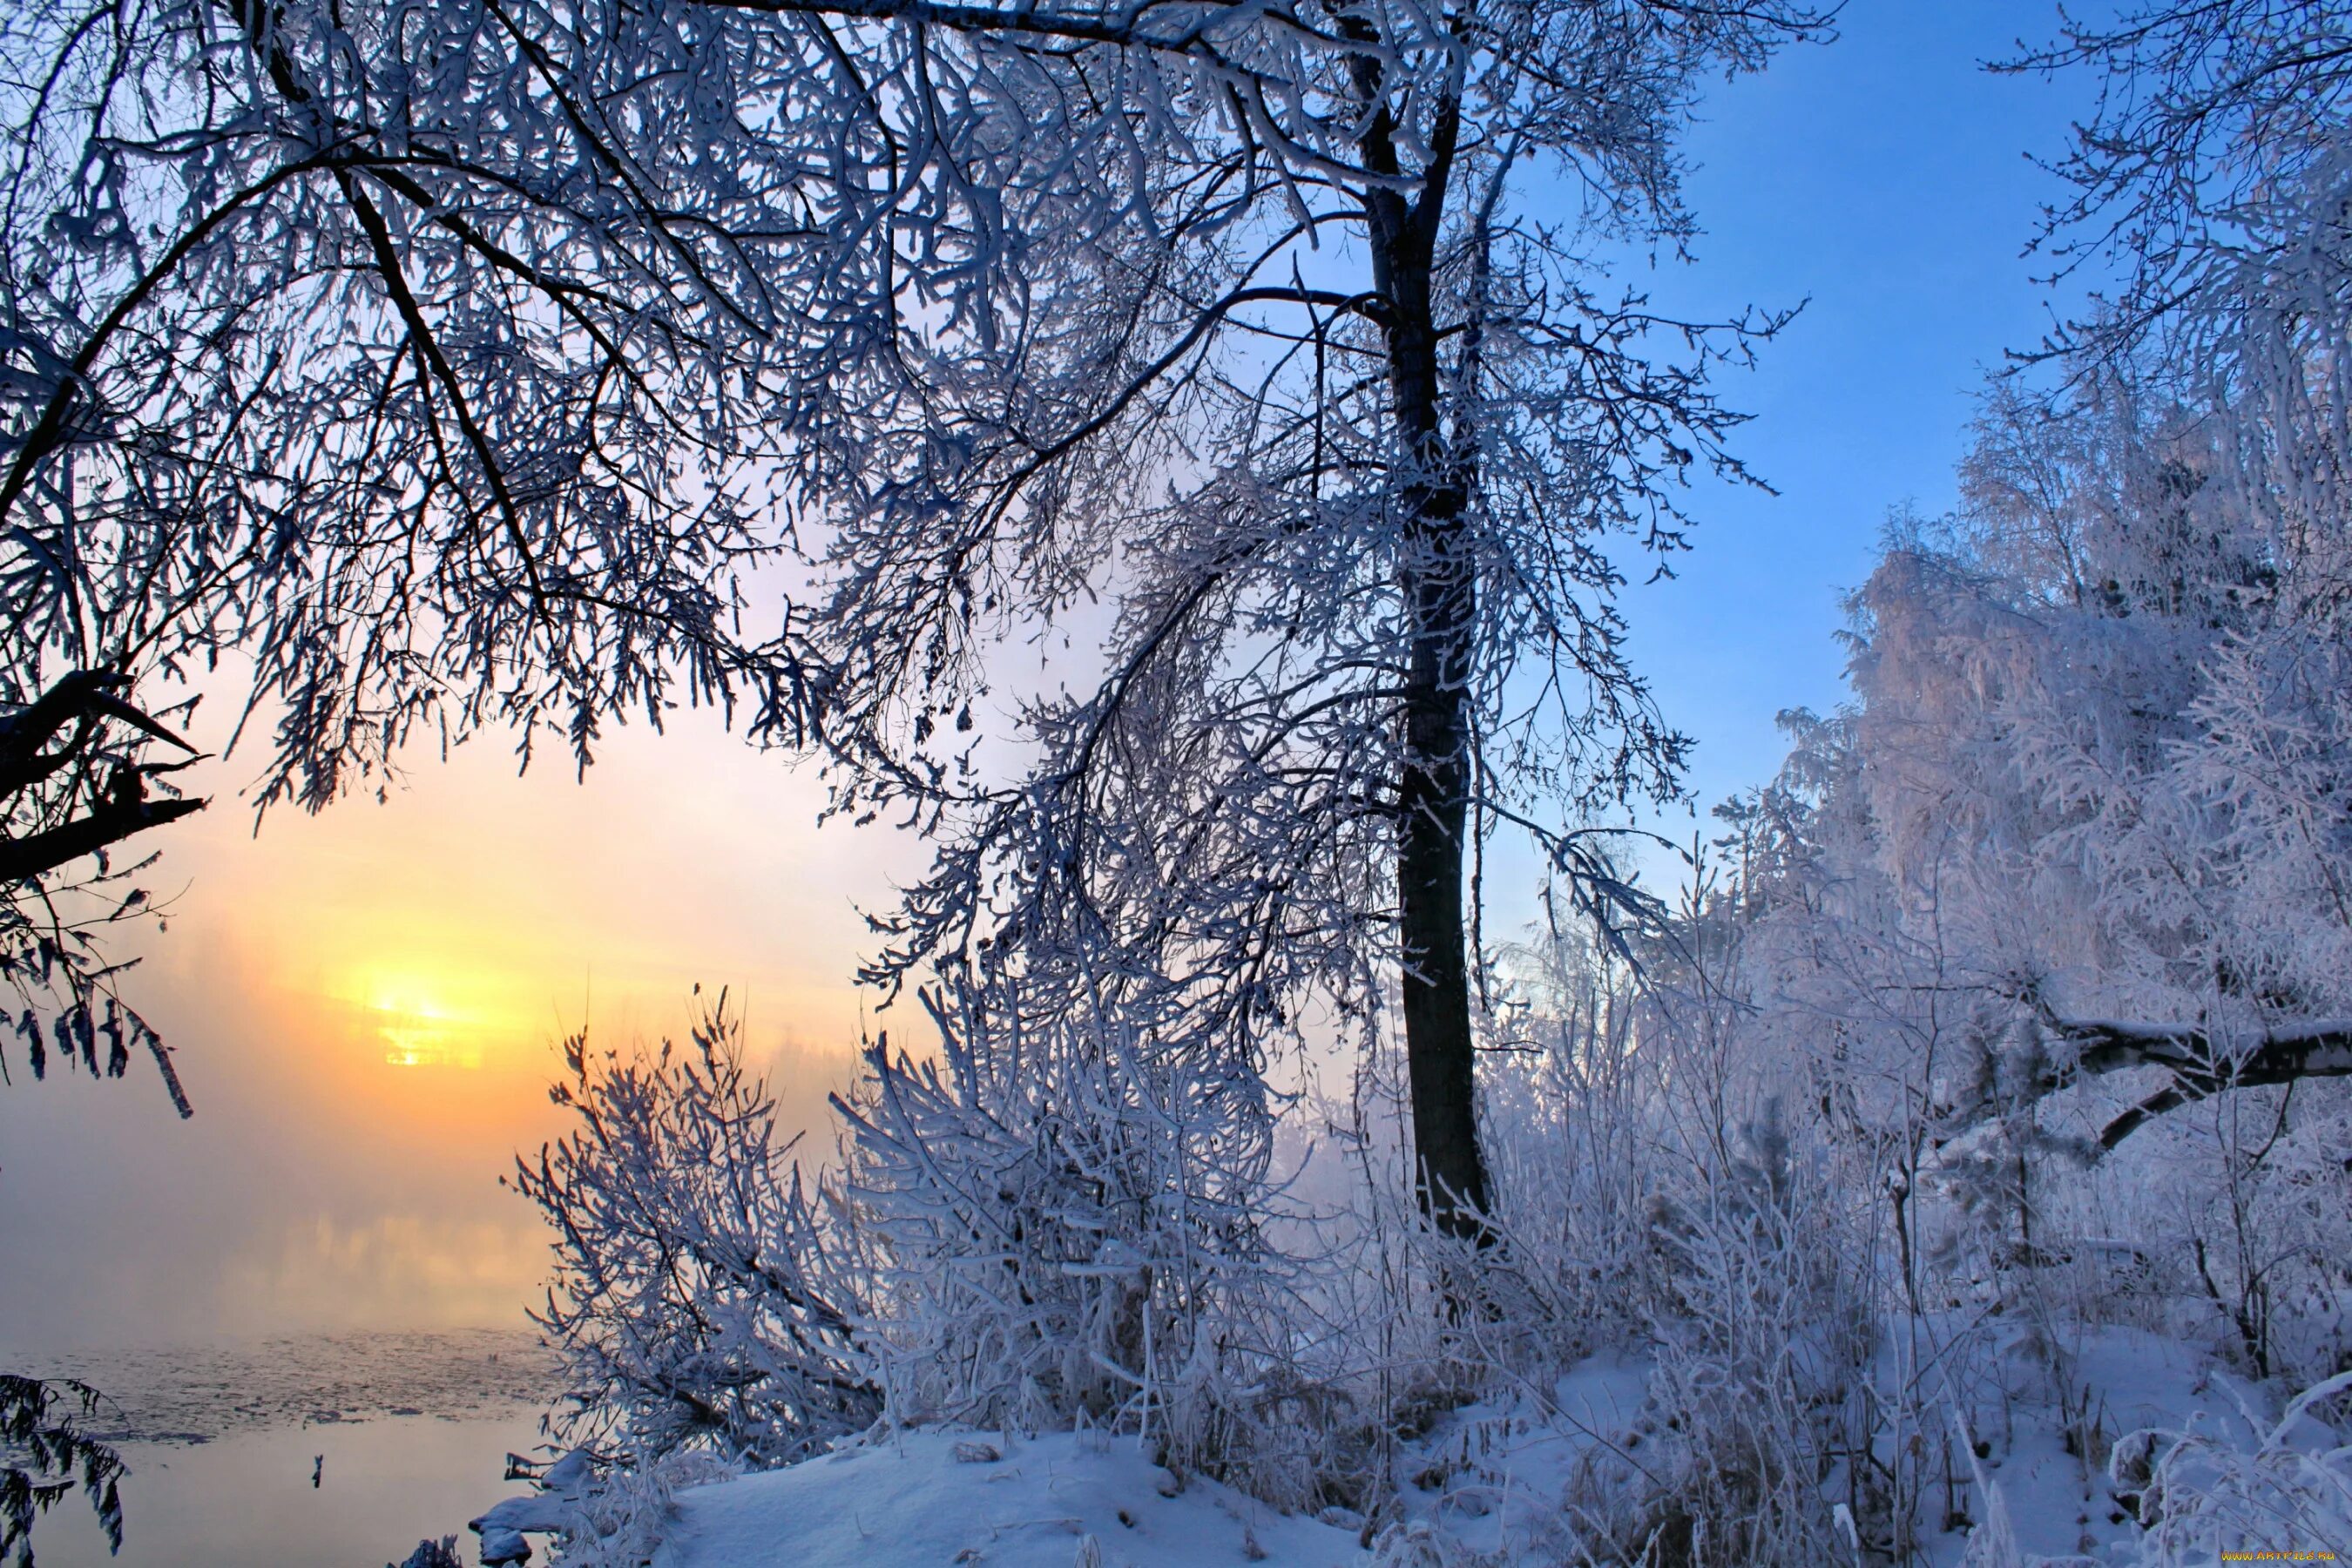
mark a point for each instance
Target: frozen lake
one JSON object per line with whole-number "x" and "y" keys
{"x": 413, "y": 1430}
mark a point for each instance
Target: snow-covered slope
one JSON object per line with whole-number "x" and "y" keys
{"x": 1534, "y": 1476}
{"x": 911, "y": 1503}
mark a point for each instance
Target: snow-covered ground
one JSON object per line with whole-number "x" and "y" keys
{"x": 1501, "y": 1481}
{"x": 924, "y": 1498}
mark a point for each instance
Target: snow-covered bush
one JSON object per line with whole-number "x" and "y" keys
{"x": 1761, "y": 1331}
{"x": 2202, "y": 1497}
{"x": 1574, "y": 1120}
{"x": 617, "y": 1520}
{"x": 1065, "y": 1209}
{"x": 699, "y": 1297}
{"x": 1057, "y": 1216}
{"x": 430, "y": 1553}
{"x": 1654, "y": 1196}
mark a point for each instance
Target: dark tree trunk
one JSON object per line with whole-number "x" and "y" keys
{"x": 1434, "y": 799}
{"x": 1438, "y": 585}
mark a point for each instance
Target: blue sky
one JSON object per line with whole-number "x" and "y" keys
{"x": 1885, "y": 178}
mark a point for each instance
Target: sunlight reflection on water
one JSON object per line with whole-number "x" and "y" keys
{"x": 413, "y": 1430}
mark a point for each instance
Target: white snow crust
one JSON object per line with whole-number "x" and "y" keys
{"x": 908, "y": 1502}
{"x": 1493, "y": 1482}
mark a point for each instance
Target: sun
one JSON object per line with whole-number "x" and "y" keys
{"x": 418, "y": 1027}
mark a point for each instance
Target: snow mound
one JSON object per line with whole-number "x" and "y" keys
{"x": 1497, "y": 1472}
{"x": 914, "y": 1501}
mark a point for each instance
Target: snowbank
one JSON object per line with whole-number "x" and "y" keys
{"x": 1491, "y": 1476}
{"x": 1530, "y": 1476}
{"x": 934, "y": 1498}
{"x": 912, "y": 1502}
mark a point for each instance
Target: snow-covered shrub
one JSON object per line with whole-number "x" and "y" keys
{"x": 1059, "y": 1216}
{"x": 2202, "y": 1497}
{"x": 1065, "y": 1209}
{"x": 699, "y": 1299}
{"x": 1572, "y": 1117}
{"x": 430, "y": 1553}
{"x": 1655, "y": 1196}
{"x": 617, "y": 1522}
{"x": 1761, "y": 1331}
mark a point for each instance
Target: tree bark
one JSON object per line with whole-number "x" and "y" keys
{"x": 1434, "y": 802}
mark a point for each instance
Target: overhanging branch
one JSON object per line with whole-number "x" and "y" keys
{"x": 2199, "y": 1068}
{"x": 79, "y": 702}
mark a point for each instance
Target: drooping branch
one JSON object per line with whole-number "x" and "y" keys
{"x": 126, "y": 811}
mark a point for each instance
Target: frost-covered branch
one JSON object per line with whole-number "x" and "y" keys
{"x": 44, "y": 1457}
{"x": 2199, "y": 1067}
{"x": 74, "y": 782}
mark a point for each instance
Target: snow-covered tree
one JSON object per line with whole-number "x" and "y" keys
{"x": 2208, "y": 184}
{"x": 2095, "y": 748}
{"x": 699, "y": 1298}
{"x": 2059, "y": 874}
{"x": 1271, "y": 358}
{"x": 364, "y": 344}
{"x": 384, "y": 370}
{"x": 1281, "y": 328}
{"x": 2057, "y": 900}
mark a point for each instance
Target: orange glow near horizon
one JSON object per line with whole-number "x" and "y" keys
{"x": 425, "y": 1006}
{"x": 367, "y": 1005}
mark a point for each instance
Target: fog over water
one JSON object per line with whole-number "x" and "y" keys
{"x": 366, "y": 1008}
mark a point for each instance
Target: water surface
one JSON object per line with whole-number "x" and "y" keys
{"x": 408, "y": 1435}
